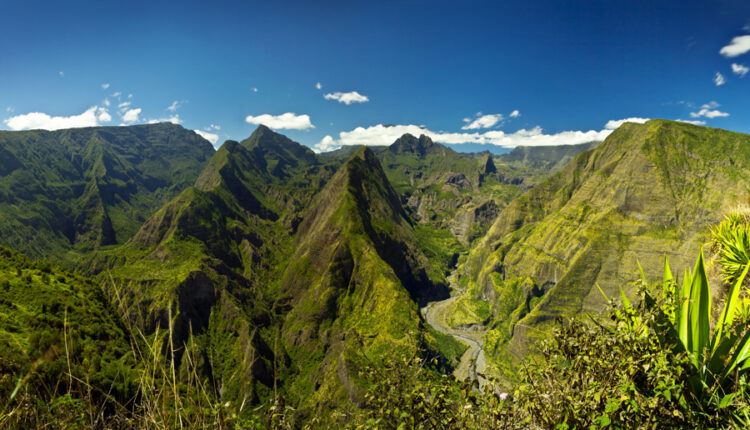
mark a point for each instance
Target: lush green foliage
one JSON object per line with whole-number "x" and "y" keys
{"x": 731, "y": 240}
{"x": 66, "y": 192}
{"x": 719, "y": 357}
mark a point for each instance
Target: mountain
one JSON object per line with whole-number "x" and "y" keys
{"x": 356, "y": 280}
{"x": 266, "y": 276}
{"x": 208, "y": 257}
{"x": 550, "y": 157}
{"x": 420, "y": 146}
{"x": 280, "y": 271}
{"x": 280, "y": 153}
{"x": 647, "y": 191}
{"x": 64, "y": 193}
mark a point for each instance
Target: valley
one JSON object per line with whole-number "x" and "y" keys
{"x": 472, "y": 364}
{"x": 272, "y": 272}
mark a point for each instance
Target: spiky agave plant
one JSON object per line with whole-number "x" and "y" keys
{"x": 718, "y": 356}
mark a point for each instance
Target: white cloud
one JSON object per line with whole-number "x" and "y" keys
{"x": 515, "y": 114}
{"x": 719, "y": 79}
{"x": 347, "y": 98}
{"x": 318, "y": 85}
{"x": 327, "y": 144}
{"x": 103, "y": 115}
{"x": 116, "y": 94}
{"x": 106, "y": 102}
{"x": 213, "y": 127}
{"x": 289, "y": 120}
{"x": 9, "y": 109}
{"x": 174, "y": 106}
{"x": 105, "y": 85}
{"x": 738, "y": 46}
{"x": 61, "y": 73}
{"x": 740, "y": 70}
{"x": 615, "y": 123}
{"x": 130, "y": 96}
{"x": 255, "y": 90}
{"x": 386, "y": 134}
{"x": 174, "y": 119}
{"x": 694, "y": 122}
{"x": 211, "y": 137}
{"x": 484, "y": 121}
{"x": 38, "y": 120}
{"x": 131, "y": 115}
{"x": 123, "y": 105}
{"x": 709, "y": 111}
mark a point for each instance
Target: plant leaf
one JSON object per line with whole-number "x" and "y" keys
{"x": 699, "y": 312}
{"x": 684, "y": 306}
{"x": 730, "y": 308}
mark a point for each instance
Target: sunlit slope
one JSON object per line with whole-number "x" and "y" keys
{"x": 649, "y": 190}
{"x": 356, "y": 278}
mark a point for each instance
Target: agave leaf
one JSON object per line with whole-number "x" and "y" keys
{"x": 700, "y": 308}
{"x": 718, "y": 360}
{"x": 741, "y": 354}
{"x": 667, "y": 275}
{"x": 730, "y": 308}
{"x": 683, "y": 307}
{"x": 668, "y": 290}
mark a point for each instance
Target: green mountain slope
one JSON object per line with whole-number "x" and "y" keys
{"x": 356, "y": 273}
{"x": 648, "y": 191}
{"x": 208, "y": 258}
{"x": 66, "y": 192}
{"x": 268, "y": 274}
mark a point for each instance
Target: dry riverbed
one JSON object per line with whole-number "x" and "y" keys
{"x": 472, "y": 365}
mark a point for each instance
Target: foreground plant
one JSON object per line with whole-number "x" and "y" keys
{"x": 719, "y": 356}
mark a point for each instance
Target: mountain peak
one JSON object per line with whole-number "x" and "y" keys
{"x": 421, "y": 145}
{"x": 280, "y": 152}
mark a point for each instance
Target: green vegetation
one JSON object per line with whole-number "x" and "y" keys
{"x": 648, "y": 190}
{"x": 269, "y": 286}
{"x": 64, "y": 193}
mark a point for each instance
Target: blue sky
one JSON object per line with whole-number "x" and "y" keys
{"x": 504, "y": 73}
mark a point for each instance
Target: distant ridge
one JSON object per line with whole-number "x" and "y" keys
{"x": 66, "y": 192}
{"x": 421, "y": 146}
{"x": 556, "y": 154}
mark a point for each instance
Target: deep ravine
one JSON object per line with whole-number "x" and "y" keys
{"x": 472, "y": 364}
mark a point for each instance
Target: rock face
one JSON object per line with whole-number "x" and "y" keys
{"x": 648, "y": 191}
{"x": 489, "y": 166}
{"x": 419, "y": 146}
